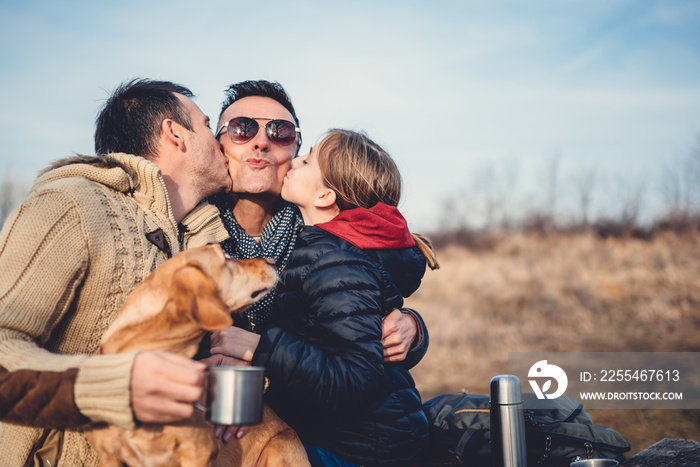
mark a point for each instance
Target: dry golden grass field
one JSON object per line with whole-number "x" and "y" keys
{"x": 562, "y": 293}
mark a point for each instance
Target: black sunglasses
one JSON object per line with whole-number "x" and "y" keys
{"x": 243, "y": 129}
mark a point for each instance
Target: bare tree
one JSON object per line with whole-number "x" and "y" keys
{"x": 452, "y": 218}
{"x": 694, "y": 178}
{"x": 509, "y": 188}
{"x": 675, "y": 190}
{"x": 584, "y": 183}
{"x": 496, "y": 186}
{"x": 680, "y": 186}
{"x": 552, "y": 183}
{"x": 485, "y": 185}
{"x": 541, "y": 216}
{"x": 630, "y": 198}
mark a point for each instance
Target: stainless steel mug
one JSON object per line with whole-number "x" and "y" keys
{"x": 235, "y": 394}
{"x": 595, "y": 463}
{"x": 508, "y": 447}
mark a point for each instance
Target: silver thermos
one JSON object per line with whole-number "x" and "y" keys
{"x": 507, "y": 423}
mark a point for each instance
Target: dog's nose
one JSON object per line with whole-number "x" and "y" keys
{"x": 270, "y": 261}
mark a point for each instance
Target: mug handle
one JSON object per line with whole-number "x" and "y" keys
{"x": 197, "y": 405}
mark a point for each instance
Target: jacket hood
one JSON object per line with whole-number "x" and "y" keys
{"x": 379, "y": 227}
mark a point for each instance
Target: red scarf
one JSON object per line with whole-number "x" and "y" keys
{"x": 380, "y": 227}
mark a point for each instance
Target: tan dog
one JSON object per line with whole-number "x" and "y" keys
{"x": 193, "y": 292}
{"x": 271, "y": 443}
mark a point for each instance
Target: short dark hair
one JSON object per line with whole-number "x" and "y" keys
{"x": 130, "y": 120}
{"x": 258, "y": 88}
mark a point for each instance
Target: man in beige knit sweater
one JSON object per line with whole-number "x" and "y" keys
{"x": 90, "y": 229}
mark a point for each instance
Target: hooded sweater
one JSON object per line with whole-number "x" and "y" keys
{"x": 324, "y": 356}
{"x": 87, "y": 233}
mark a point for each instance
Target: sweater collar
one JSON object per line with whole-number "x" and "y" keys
{"x": 379, "y": 227}
{"x": 142, "y": 179}
{"x": 122, "y": 172}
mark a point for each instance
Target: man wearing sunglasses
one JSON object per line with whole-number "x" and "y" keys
{"x": 259, "y": 134}
{"x": 89, "y": 231}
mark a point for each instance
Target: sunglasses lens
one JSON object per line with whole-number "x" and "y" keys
{"x": 281, "y": 132}
{"x": 242, "y": 129}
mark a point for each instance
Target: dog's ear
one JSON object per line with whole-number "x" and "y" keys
{"x": 196, "y": 295}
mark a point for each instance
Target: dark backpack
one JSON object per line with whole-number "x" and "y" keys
{"x": 460, "y": 432}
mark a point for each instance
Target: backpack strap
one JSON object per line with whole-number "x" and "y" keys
{"x": 468, "y": 442}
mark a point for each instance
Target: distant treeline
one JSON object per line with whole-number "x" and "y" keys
{"x": 486, "y": 239}
{"x": 584, "y": 201}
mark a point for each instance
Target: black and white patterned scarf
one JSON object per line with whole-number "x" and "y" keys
{"x": 276, "y": 242}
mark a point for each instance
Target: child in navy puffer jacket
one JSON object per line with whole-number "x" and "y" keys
{"x": 354, "y": 262}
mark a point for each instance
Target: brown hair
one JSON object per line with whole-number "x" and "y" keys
{"x": 131, "y": 118}
{"x": 362, "y": 174}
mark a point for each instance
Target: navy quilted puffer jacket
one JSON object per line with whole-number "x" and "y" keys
{"x": 324, "y": 357}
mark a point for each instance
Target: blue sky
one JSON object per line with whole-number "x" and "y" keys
{"x": 466, "y": 95}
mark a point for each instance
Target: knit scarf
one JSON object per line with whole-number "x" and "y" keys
{"x": 276, "y": 242}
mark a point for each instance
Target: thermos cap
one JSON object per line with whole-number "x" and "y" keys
{"x": 505, "y": 390}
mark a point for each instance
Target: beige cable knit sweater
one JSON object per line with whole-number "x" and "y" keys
{"x": 69, "y": 255}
